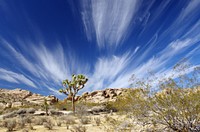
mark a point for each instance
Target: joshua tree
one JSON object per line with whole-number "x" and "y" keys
{"x": 72, "y": 87}
{"x": 46, "y": 106}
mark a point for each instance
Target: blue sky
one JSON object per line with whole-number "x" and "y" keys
{"x": 43, "y": 42}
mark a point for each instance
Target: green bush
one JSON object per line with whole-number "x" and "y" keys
{"x": 176, "y": 107}
{"x": 124, "y": 103}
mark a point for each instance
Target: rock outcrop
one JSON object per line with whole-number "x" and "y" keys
{"x": 18, "y": 97}
{"x": 102, "y": 96}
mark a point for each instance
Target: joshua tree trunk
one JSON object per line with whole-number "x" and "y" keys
{"x": 73, "y": 105}
{"x": 46, "y": 110}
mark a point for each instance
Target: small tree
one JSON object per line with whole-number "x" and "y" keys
{"x": 72, "y": 87}
{"x": 46, "y": 106}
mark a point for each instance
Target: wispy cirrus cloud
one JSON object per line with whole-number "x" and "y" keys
{"x": 48, "y": 67}
{"x": 161, "y": 64}
{"x": 14, "y": 77}
{"x": 189, "y": 9}
{"x": 107, "y": 69}
{"x": 20, "y": 58}
{"x": 58, "y": 63}
{"x": 136, "y": 49}
{"x": 52, "y": 62}
{"x": 110, "y": 21}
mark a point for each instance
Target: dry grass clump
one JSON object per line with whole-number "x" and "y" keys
{"x": 78, "y": 129}
{"x": 59, "y": 123}
{"x": 85, "y": 120}
{"x": 124, "y": 126}
{"x": 49, "y": 124}
{"x": 68, "y": 120}
{"x": 97, "y": 121}
{"x": 40, "y": 120}
{"x": 81, "y": 109}
{"x": 10, "y": 124}
{"x": 111, "y": 123}
{"x": 22, "y": 121}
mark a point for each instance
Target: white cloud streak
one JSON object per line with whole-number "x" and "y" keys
{"x": 52, "y": 62}
{"x": 14, "y": 77}
{"x": 44, "y": 64}
{"x": 107, "y": 70}
{"x": 189, "y": 9}
{"x": 136, "y": 49}
{"x": 30, "y": 66}
{"x": 156, "y": 64}
{"x": 109, "y": 20}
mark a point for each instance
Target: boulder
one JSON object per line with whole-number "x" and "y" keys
{"x": 97, "y": 109}
{"x": 2, "y": 105}
{"x": 17, "y": 104}
{"x": 39, "y": 113}
{"x": 8, "y": 105}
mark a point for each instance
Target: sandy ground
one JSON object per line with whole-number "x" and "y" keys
{"x": 58, "y": 129}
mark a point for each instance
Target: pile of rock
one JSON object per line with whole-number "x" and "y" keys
{"x": 102, "y": 96}
{"x": 18, "y": 97}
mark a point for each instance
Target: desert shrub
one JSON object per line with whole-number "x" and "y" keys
{"x": 30, "y": 126}
{"x": 124, "y": 126}
{"x": 59, "y": 123}
{"x": 28, "y": 119}
{"x": 62, "y": 105}
{"x": 21, "y": 122}
{"x": 178, "y": 111}
{"x": 85, "y": 120}
{"x": 10, "y": 124}
{"x": 123, "y": 104}
{"x": 40, "y": 120}
{"x": 78, "y": 129}
{"x": 68, "y": 120}
{"x": 81, "y": 109}
{"x": 176, "y": 107}
{"x": 48, "y": 125}
{"x": 111, "y": 123}
{"x": 97, "y": 121}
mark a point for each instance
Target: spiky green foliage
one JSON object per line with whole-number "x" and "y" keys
{"x": 72, "y": 87}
